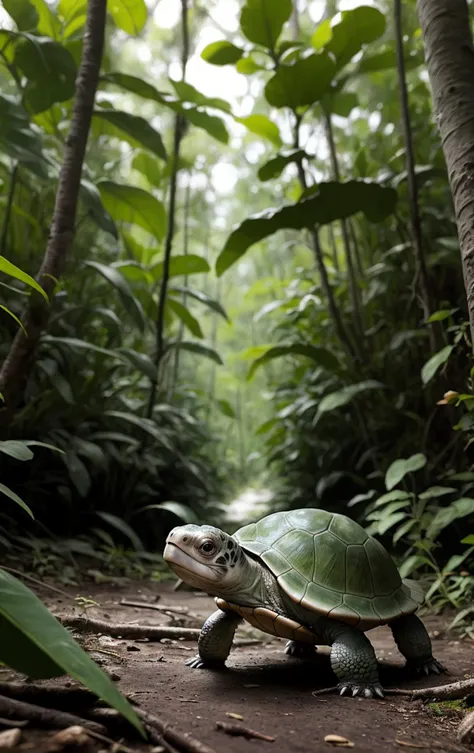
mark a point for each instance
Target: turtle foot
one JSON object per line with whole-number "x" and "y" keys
{"x": 300, "y": 650}
{"x": 428, "y": 667}
{"x": 196, "y": 662}
{"x": 367, "y": 691}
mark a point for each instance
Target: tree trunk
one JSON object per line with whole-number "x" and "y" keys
{"x": 449, "y": 57}
{"x": 19, "y": 362}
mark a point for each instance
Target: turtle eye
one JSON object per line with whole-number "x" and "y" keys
{"x": 208, "y": 547}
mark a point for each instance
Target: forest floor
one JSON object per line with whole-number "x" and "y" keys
{"x": 272, "y": 692}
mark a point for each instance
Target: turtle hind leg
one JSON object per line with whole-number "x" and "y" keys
{"x": 215, "y": 641}
{"x": 414, "y": 643}
{"x": 353, "y": 660}
{"x": 300, "y": 650}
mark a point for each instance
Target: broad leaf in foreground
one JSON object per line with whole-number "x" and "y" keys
{"x": 33, "y": 642}
{"x": 321, "y": 356}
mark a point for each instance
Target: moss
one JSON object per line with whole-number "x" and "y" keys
{"x": 447, "y": 707}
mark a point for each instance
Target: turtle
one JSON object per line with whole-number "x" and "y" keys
{"x": 311, "y": 576}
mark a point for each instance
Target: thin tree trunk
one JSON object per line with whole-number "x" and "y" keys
{"x": 423, "y": 282}
{"x": 359, "y": 326}
{"x": 179, "y": 127}
{"x": 8, "y": 209}
{"x": 187, "y": 197}
{"x": 449, "y": 55}
{"x": 19, "y": 362}
{"x": 332, "y": 242}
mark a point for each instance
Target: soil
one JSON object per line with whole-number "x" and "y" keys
{"x": 271, "y": 691}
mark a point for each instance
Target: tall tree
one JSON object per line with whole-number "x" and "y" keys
{"x": 449, "y": 55}
{"x": 18, "y": 364}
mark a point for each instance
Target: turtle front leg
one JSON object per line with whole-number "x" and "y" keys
{"x": 300, "y": 650}
{"x": 414, "y": 643}
{"x": 215, "y": 641}
{"x": 353, "y": 661}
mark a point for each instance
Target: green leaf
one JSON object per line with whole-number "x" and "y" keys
{"x": 263, "y": 127}
{"x": 188, "y": 93}
{"x": 16, "y": 449}
{"x": 345, "y": 395}
{"x": 399, "y": 469}
{"x": 411, "y": 564}
{"x": 92, "y": 200}
{"x": 275, "y": 166}
{"x": 321, "y": 356}
{"x": 23, "y": 13}
{"x": 78, "y": 473}
{"x": 468, "y": 540}
{"x": 123, "y": 527}
{"x": 351, "y": 30}
{"x": 341, "y": 103}
{"x": 128, "y": 15}
{"x": 397, "y": 495}
{"x": 403, "y": 530}
{"x": 202, "y": 350}
{"x": 134, "y": 205}
{"x": 183, "y": 512}
{"x": 73, "y": 342}
{"x": 248, "y": 66}
{"x": 436, "y": 491}
{"x": 118, "y": 281}
{"x": 139, "y": 422}
{"x": 73, "y": 14}
{"x": 213, "y": 125}
{"x": 141, "y": 361}
{"x": 261, "y": 21}
{"x": 434, "y": 363}
{"x": 135, "y": 85}
{"x": 226, "y": 408}
{"x": 441, "y": 315}
{"x": 322, "y": 35}
{"x": 327, "y": 203}
{"x": 444, "y": 517}
{"x": 150, "y": 168}
{"x": 389, "y": 521}
{"x": 221, "y": 53}
{"x": 132, "y": 128}
{"x": 301, "y": 84}
{"x": 34, "y": 643}
{"x": 9, "y": 493}
{"x": 50, "y": 69}
{"x": 185, "y": 264}
{"x": 48, "y": 23}
{"x": 13, "y": 316}
{"x": 10, "y": 269}
{"x": 186, "y": 317}
{"x": 18, "y": 139}
{"x": 198, "y": 295}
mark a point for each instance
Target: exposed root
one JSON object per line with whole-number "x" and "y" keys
{"x": 51, "y": 696}
{"x": 127, "y": 630}
{"x": 44, "y": 717}
{"x": 450, "y": 692}
{"x": 237, "y": 731}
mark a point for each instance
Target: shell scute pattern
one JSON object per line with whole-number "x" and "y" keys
{"x": 329, "y": 564}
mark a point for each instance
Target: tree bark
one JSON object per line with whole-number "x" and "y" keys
{"x": 19, "y": 362}
{"x": 449, "y": 57}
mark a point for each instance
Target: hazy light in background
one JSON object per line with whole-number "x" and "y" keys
{"x": 316, "y": 10}
{"x": 226, "y": 13}
{"x": 224, "y": 177}
{"x": 167, "y": 14}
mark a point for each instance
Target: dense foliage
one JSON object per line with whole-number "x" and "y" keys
{"x": 301, "y": 348}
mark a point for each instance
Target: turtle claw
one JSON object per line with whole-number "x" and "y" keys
{"x": 299, "y": 650}
{"x": 428, "y": 667}
{"x": 367, "y": 691}
{"x": 196, "y": 662}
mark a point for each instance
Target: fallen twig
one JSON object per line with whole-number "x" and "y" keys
{"x": 128, "y": 630}
{"x": 237, "y": 731}
{"x": 449, "y": 692}
{"x": 156, "y": 607}
{"x": 10, "y": 708}
{"x": 51, "y": 696}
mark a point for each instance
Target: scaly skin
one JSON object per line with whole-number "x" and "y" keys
{"x": 353, "y": 660}
{"x": 215, "y": 641}
{"x": 414, "y": 643}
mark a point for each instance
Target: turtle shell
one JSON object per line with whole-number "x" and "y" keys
{"x": 328, "y": 564}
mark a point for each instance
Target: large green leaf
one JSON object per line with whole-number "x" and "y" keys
{"x": 133, "y": 128}
{"x": 444, "y": 517}
{"x": 10, "y": 269}
{"x": 135, "y": 85}
{"x": 261, "y": 21}
{"x": 399, "y": 469}
{"x": 301, "y": 84}
{"x": 341, "y": 103}
{"x": 345, "y": 395}
{"x": 92, "y": 200}
{"x": 198, "y": 295}
{"x": 16, "y": 449}
{"x": 144, "y": 424}
{"x": 134, "y": 205}
{"x": 188, "y": 93}
{"x": 328, "y": 202}
{"x": 434, "y": 363}
{"x": 262, "y": 126}
{"x": 275, "y": 166}
{"x": 141, "y": 361}
{"x": 152, "y": 169}
{"x": 73, "y": 14}
{"x": 50, "y": 69}
{"x": 129, "y": 15}
{"x": 350, "y": 31}
{"x": 199, "y": 348}
{"x": 321, "y": 356}
{"x": 18, "y": 500}
{"x": 18, "y": 139}
{"x": 34, "y": 643}
{"x": 185, "y": 264}
{"x": 185, "y": 316}
{"x": 23, "y": 13}
{"x": 221, "y": 53}
{"x": 213, "y": 125}
{"x": 131, "y": 303}
{"x": 48, "y": 23}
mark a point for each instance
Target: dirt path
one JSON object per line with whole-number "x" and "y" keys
{"x": 269, "y": 690}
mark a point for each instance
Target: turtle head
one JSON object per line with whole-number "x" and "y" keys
{"x": 204, "y": 557}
